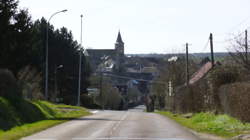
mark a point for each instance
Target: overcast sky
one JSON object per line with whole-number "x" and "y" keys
{"x": 147, "y": 26}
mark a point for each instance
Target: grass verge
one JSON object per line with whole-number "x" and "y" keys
{"x": 220, "y": 125}
{"x": 49, "y": 114}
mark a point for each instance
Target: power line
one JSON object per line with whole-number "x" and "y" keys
{"x": 239, "y": 34}
{"x": 234, "y": 27}
{"x": 243, "y": 21}
{"x": 235, "y": 37}
{"x": 205, "y": 46}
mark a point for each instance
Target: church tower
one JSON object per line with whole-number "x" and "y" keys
{"x": 119, "y": 45}
{"x": 119, "y": 49}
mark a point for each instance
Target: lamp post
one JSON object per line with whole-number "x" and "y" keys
{"x": 56, "y": 68}
{"x": 46, "y": 57}
{"x": 80, "y": 67}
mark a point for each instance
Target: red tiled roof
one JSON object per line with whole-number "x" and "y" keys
{"x": 200, "y": 73}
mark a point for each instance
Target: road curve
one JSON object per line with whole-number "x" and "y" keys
{"x": 117, "y": 125}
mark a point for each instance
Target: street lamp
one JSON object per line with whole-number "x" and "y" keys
{"x": 56, "y": 68}
{"x": 47, "y": 46}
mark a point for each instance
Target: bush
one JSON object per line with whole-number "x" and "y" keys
{"x": 89, "y": 102}
{"x": 218, "y": 76}
{"x": 195, "y": 98}
{"x": 8, "y": 85}
{"x": 17, "y": 113}
{"x": 235, "y": 100}
{"x": 30, "y": 80}
{"x": 221, "y": 75}
{"x": 203, "y": 95}
{"x": 110, "y": 97}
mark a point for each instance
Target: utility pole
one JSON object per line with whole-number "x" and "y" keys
{"x": 55, "y": 92}
{"x": 56, "y": 68}
{"x": 80, "y": 69}
{"x": 246, "y": 45}
{"x": 101, "y": 92}
{"x": 79, "y": 78}
{"x": 187, "y": 68}
{"x": 211, "y": 46}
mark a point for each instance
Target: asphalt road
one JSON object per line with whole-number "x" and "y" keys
{"x": 133, "y": 124}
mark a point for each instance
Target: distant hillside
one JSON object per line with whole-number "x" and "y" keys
{"x": 217, "y": 54}
{"x": 200, "y": 55}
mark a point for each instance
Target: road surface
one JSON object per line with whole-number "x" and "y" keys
{"x": 133, "y": 124}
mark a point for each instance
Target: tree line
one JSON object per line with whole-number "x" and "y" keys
{"x": 22, "y": 44}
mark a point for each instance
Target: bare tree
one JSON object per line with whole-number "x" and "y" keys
{"x": 238, "y": 51}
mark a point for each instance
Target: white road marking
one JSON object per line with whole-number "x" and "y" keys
{"x": 38, "y": 139}
{"x": 116, "y": 125}
{"x": 111, "y": 138}
{"x": 94, "y": 112}
{"x": 127, "y": 138}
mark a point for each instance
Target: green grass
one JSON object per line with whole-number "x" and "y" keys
{"x": 220, "y": 125}
{"x": 24, "y": 118}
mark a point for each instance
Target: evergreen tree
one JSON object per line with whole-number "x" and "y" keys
{"x": 22, "y": 43}
{"x": 15, "y": 36}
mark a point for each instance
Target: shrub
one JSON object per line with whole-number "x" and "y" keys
{"x": 203, "y": 95}
{"x": 235, "y": 100}
{"x": 221, "y": 75}
{"x": 29, "y": 80}
{"x": 8, "y": 85}
{"x": 89, "y": 102}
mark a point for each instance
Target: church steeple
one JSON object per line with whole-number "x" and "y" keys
{"x": 119, "y": 44}
{"x": 119, "y": 38}
{"x": 119, "y": 49}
